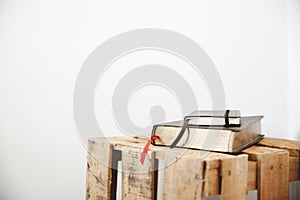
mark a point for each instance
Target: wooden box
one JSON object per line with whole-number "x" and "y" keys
{"x": 190, "y": 174}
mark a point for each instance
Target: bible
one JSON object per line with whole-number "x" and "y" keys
{"x": 220, "y": 137}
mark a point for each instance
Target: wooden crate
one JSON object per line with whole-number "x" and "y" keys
{"x": 190, "y": 174}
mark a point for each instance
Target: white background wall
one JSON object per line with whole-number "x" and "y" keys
{"x": 254, "y": 44}
{"x": 293, "y": 32}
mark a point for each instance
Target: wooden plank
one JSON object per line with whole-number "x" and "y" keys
{"x": 130, "y": 151}
{"x": 252, "y": 175}
{"x": 137, "y": 179}
{"x": 234, "y": 178}
{"x": 212, "y": 182}
{"x": 100, "y": 175}
{"x": 212, "y": 176}
{"x": 294, "y": 169}
{"x": 183, "y": 176}
{"x": 99, "y": 170}
{"x": 119, "y": 143}
{"x": 292, "y": 146}
{"x": 294, "y": 172}
{"x": 211, "y": 171}
{"x": 273, "y": 172}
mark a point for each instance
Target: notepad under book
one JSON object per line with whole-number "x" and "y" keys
{"x": 223, "y": 131}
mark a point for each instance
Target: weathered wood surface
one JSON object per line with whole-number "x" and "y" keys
{"x": 212, "y": 173}
{"x": 183, "y": 175}
{"x": 252, "y": 174}
{"x": 193, "y": 173}
{"x": 99, "y": 171}
{"x": 234, "y": 178}
{"x": 272, "y": 172}
{"x": 292, "y": 146}
{"x": 137, "y": 179}
{"x": 294, "y": 169}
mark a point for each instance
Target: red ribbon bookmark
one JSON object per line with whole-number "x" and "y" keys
{"x": 146, "y": 148}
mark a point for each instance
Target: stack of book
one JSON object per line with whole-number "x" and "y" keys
{"x": 216, "y": 130}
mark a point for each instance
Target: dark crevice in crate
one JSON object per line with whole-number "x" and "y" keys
{"x": 116, "y": 157}
{"x": 155, "y": 178}
{"x": 220, "y": 176}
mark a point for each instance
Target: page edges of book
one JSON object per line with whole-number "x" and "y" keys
{"x": 197, "y": 138}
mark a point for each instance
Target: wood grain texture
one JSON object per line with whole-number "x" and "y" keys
{"x": 183, "y": 177}
{"x": 137, "y": 179}
{"x": 212, "y": 182}
{"x": 194, "y": 172}
{"x": 99, "y": 171}
{"x": 292, "y": 146}
{"x": 234, "y": 178}
{"x": 294, "y": 168}
{"x": 252, "y": 175}
{"x": 273, "y": 172}
{"x": 212, "y": 175}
